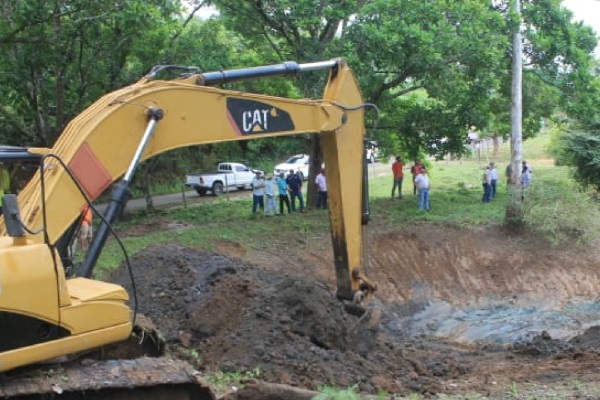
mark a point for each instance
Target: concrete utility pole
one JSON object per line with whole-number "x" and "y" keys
{"x": 513, "y": 215}
{"x": 516, "y": 108}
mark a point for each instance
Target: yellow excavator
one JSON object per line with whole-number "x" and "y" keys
{"x": 45, "y": 314}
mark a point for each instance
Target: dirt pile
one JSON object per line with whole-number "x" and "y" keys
{"x": 239, "y": 317}
{"x": 447, "y": 306}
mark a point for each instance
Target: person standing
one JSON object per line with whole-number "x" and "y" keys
{"x": 282, "y": 188}
{"x": 294, "y": 182}
{"x": 321, "y": 182}
{"x": 258, "y": 192}
{"x": 398, "y": 177}
{"x": 270, "y": 206}
{"x": 527, "y": 167}
{"x": 415, "y": 170}
{"x": 85, "y": 230}
{"x": 486, "y": 183}
{"x": 493, "y": 180}
{"x": 4, "y": 184}
{"x": 526, "y": 176}
{"x": 422, "y": 184}
{"x": 508, "y": 173}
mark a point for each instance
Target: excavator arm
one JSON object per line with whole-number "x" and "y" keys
{"x": 106, "y": 143}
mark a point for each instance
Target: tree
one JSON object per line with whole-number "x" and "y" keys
{"x": 59, "y": 56}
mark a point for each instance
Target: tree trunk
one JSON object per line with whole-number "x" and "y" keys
{"x": 316, "y": 160}
{"x": 146, "y": 186}
{"x": 496, "y": 140}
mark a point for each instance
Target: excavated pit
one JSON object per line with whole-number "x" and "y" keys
{"x": 462, "y": 311}
{"x": 484, "y": 287}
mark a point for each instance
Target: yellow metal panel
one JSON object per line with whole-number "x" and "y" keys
{"x": 86, "y": 290}
{"x": 28, "y": 281}
{"x": 86, "y": 317}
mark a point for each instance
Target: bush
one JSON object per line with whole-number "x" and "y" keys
{"x": 561, "y": 211}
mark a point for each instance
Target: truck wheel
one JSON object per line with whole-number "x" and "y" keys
{"x": 301, "y": 175}
{"x": 217, "y": 188}
{"x": 201, "y": 191}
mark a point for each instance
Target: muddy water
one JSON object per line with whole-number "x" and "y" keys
{"x": 497, "y": 323}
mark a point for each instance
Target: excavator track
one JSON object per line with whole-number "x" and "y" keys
{"x": 144, "y": 378}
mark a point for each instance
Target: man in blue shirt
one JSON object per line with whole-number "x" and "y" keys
{"x": 295, "y": 184}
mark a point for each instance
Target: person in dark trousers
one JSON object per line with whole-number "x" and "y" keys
{"x": 415, "y": 170}
{"x": 258, "y": 192}
{"x": 294, "y": 182}
{"x": 282, "y": 187}
{"x": 398, "y": 177}
{"x": 486, "y": 183}
{"x": 493, "y": 180}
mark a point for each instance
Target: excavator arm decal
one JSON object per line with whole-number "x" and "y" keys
{"x": 90, "y": 172}
{"x": 252, "y": 117}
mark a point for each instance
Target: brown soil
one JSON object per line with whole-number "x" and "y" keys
{"x": 464, "y": 311}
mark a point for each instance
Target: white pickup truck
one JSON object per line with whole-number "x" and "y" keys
{"x": 228, "y": 175}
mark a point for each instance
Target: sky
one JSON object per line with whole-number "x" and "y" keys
{"x": 587, "y": 11}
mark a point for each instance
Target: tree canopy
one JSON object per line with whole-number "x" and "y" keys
{"x": 433, "y": 68}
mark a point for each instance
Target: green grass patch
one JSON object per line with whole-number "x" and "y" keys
{"x": 221, "y": 382}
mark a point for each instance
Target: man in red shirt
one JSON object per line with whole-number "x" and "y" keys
{"x": 398, "y": 176}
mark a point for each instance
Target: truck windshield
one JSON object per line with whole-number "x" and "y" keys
{"x": 294, "y": 159}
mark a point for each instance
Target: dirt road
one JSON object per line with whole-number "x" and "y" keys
{"x": 190, "y": 196}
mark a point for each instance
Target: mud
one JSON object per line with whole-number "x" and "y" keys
{"x": 463, "y": 311}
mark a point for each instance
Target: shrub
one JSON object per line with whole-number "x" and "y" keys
{"x": 561, "y": 211}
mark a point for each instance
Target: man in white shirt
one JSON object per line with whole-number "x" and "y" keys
{"x": 321, "y": 182}
{"x": 493, "y": 179}
{"x": 258, "y": 192}
{"x": 422, "y": 185}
